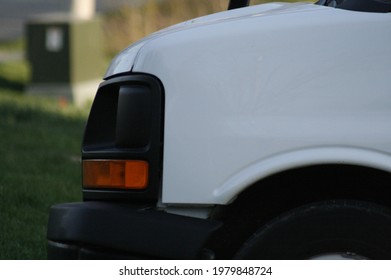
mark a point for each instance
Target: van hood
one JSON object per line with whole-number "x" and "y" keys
{"x": 125, "y": 60}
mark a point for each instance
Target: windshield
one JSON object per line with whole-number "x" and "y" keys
{"x": 374, "y": 6}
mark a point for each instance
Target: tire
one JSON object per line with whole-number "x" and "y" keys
{"x": 325, "y": 230}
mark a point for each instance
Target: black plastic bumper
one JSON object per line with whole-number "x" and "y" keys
{"x": 97, "y": 230}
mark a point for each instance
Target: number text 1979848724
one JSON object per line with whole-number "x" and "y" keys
{"x": 251, "y": 270}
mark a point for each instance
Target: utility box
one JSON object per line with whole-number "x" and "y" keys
{"x": 65, "y": 55}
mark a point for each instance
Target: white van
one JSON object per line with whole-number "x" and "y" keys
{"x": 258, "y": 132}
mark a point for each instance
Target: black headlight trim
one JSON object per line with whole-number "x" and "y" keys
{"x": 126, "y": 122}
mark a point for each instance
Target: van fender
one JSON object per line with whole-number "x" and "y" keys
{"x": 300, "y": 158}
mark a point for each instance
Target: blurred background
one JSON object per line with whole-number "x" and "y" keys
{"x": 40, "y": 134}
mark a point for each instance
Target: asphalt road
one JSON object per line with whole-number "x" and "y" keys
{"x": 14, "y": 13}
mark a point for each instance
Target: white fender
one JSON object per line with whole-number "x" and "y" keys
{"x": 300, "y": 158}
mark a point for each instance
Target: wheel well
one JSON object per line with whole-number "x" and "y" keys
{"x": 278, "y": 193}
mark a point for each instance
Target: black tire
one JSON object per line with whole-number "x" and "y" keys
{"x": 353, "y": 229}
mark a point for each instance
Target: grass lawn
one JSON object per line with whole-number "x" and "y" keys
{"x": 39, "y": 163}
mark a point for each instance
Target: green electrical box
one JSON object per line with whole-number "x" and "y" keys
{"x": 65, "y": 56}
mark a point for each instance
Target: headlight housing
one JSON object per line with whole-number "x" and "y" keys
{"x": 123, "y": 141}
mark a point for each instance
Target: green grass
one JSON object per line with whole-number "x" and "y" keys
{"x": 13, "y": 45}
{"x": 39, "y": 163}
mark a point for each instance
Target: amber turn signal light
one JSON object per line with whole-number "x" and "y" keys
{"x": 115, "y": 174}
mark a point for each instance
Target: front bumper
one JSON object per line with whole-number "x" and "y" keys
{"x": 99, "y": 230}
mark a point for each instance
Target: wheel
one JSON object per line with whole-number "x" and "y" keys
{"x": 324, "y": 230}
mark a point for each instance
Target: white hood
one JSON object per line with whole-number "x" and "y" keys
{"x": 124, "y": 61}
